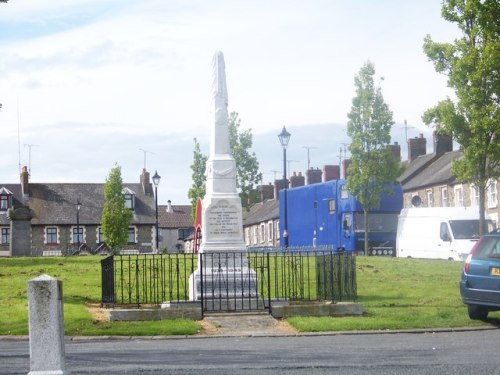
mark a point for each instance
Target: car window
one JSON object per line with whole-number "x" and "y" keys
{"x": 488, "y": 247}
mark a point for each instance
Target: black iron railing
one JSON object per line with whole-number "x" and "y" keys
{"x": 249, "y": 279}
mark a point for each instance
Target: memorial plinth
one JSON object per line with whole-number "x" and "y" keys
{"x": 223, "y": 270}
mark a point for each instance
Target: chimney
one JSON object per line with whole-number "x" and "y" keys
{"x": 416, "y": 147}
{"x": 331, "y": 172}
{"x": 396, "y": 150}
{"x": 169, "y": 206}
{"x": 345, "y": 166}
{"x": 278, "y": 185}
{"x": 24, "y": 181}
{"x": 146, "y": 185}
{"x": 266, "y": 192}
{"x": 313, "y": 176}
{"x": 297, "y": 180}
{"x": 442, "y": 143}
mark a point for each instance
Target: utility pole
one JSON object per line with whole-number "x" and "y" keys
{"x": 308, "y": 160}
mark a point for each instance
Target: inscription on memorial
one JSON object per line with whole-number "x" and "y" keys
{"x": 222, "y": 220}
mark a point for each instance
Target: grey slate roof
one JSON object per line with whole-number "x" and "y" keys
{"x": 261, "y": 212}
{"x": 430, "y": 171}
{"x": 55, "y": 203}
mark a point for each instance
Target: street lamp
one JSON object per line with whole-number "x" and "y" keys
{"x": 156, "y": 182}
{"x": 284, "y": 138}
{"x": 78, "y": 206}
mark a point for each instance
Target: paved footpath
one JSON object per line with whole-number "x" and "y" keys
{"x": 245, "y": 324}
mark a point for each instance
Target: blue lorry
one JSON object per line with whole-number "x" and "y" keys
{"x": 325, "y": 214}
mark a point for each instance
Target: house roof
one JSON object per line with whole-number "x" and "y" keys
{"x": 430, "y": 171}
{"x": 416, "y": 166}
{"x": 261, "y": 212}
{"x": 55, "y": 203}
{"x": 179, "y": 216}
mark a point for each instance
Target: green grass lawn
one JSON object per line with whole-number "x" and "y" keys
{"x": 400, "y": 293}
{"x": 395, "y": 293}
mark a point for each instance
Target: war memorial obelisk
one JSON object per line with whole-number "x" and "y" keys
{"x": 222, "y": 260}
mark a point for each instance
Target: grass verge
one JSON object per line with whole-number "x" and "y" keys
{"x": 395, "y": 293}
{"x": 399, "y": 293}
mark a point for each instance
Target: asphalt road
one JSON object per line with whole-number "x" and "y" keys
{"x": 470, "y": 352}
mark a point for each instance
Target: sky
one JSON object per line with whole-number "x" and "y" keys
{"x": 88, "y": 84}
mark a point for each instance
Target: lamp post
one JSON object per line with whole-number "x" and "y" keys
{"x": 156, "y": 182}
{"x": 284, "y": 137}
{"x": 78, "y": 206}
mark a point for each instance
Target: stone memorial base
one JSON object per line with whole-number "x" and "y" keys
{"x": 226, "y": 276}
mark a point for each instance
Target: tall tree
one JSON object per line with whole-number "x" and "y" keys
{"x": 116, "y": 218}
{"x": 197, "y": 190}
{"x": 373, "y": 166}
{"x": 247, "y": 165}
{"x": 472, "y": 65}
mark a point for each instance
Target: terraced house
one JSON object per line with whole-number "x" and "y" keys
{"x": 65, "y": 218}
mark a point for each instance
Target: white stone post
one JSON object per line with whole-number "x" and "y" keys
{"x": 46, "y": 326}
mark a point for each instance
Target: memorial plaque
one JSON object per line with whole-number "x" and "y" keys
{"x": 223, "y": 220}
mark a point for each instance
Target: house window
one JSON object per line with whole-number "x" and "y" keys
{"x": 4, "y": 202}
{"x": 129, "y": 196}
{"x": 459, "y": 197}
{"x": 475, "y": 196}
{"x": 183, "y": 233}
{"x": 5, "y": 236}
{"x": 131, "y": 235}
{"x": 129, "y": 201}
{"x": 100, "y": 236}
{"x": 430, "y": 198}
{"x": 270, "y": 231}
{"x": 254, "y": 235}
{"x": 5, "y": 199}
{"x": 492, "y": 194}
{"x": 262, "y": 234}
{"x": 51, "y": 235}
{"x": 331, "y": 206}
{"x": 77, "y": 235}
{"x": 444, "y": 196}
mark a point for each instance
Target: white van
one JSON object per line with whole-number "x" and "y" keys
{"x": 438, "y": 232}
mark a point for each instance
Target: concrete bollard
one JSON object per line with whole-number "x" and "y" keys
{"x": 46, "y": 326}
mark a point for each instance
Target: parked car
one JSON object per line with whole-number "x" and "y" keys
{"x": 480, "y": 281}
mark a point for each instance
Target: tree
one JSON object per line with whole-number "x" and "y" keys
{"x": 247, "y": 165}
{"x": 116, "y": 218}
{"x": 472, "y": 65}
{"x": 197, "y": 190}
{"x": 373, "y": 166}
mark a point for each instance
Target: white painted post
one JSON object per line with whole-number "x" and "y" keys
{"x": 46, "y": 326}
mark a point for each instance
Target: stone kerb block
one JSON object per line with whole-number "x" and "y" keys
{"x": 46, "y": 326}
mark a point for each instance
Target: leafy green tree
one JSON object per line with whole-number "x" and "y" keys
{"x": 197, "y": 190}
{"x": 247, "y": 165}
{"x": 373, "y": 166}
{"x": 116, "y": 218}
{"x": 472, "y": 65}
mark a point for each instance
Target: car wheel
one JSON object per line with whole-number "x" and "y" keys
{"x": 477, "y": 312}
